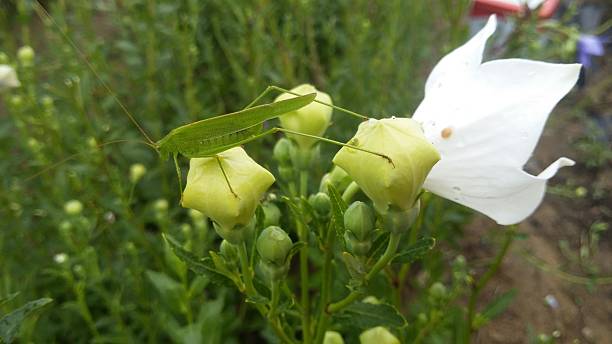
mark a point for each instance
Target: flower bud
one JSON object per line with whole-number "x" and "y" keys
{"x": 25, "y": 55}
{"x": 208, "y": 191}
{"x": 8, "y": 77}
{"x": 229, "y": 251}
{"x": 378, "y": 335}
{"x": 337, "y": 177}
{"x": 312, "y": 119}
{"x": 160, "y": 205}
{"x": 60, "y": 258}
{"x": 389, "y": 183}
{"x": 399, "y": 221}
{"x": 332, "y": 337}
{"x": 359, "y": 219}
{"x": 73, "y": 207}
{"x": 273, "y": 245}
{"x": 272, "y": 214}
{"x": 321, "y": 204}
{"x": 282, "y": 151}
{"x": 358, "y": 247}
{"x": 437, "y": 291}
{"x": 137, "y": 171}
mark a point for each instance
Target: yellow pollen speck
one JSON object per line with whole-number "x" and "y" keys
{"x": 446, "y": 132}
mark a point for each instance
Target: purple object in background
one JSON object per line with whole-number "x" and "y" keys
{"x": 588, "y": 46}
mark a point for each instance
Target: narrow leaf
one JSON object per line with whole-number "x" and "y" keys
{"x": 338, "y": 208}
{"x": 416, "y": 251}
{"x": 499, "y": 304}
{"x": 9, "y": 324}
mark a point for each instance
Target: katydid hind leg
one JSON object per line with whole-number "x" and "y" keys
{"x": 178, "y": 174}
{"x": 225, "y": 176}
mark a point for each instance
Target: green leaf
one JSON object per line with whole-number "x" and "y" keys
{"x": 295, "y": 210}
{"x": 338, "y": 208}
{"x": 415, "y": 252}
{"x": 201, "y": 266}
{"x": 8, "y": 298}
{"x": 364, "y": 315}
{"x": 499, "y": 304}
{"x": 354, "y": 266}
{"x": 9, "y": 324}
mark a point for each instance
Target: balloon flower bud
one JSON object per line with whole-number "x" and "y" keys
{"x": 378, "y": 335}
{"x": 272, "y": 214}
{"x": 228, "y": 196}
{"x": 332, "y": 337}
{"x": 321, "y": 204}
{"x": 73, "y": 207}
{"x": 359, "y": 219}
{"x": 137, "y": 171}
{"x": 312, "y": 119}
{"x": 8, "y": 78}
{"x": 282, "y": 151}
{"x": 25, "y": 55}
{"x": 389, "y": 183}
{"x": 273, "y": 245}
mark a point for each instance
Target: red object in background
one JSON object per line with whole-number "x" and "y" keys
{"x": 501, "y": 8}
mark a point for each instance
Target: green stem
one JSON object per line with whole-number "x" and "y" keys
{"x": 482, "y": 282}
{"x": 275, "y": 298}
{"x": 394, "y": 241}
{"x": 326, "y": 285}
{"x": 304, "y": 275}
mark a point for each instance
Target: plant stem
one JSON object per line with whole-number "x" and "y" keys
{"x": 304, "y": 280}
{"x": 482, "y": 282}
{"x": 394, "y": 240}
{"x": 326, "y": 284}
{"x": 350, "y": 192}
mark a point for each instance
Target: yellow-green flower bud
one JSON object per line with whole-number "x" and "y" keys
{"x": 378, "y": 335}
{"x": 137, "y": 171}
{"x": 396, "y": 183}
{"x": 160, "y": 205}
{"x": 8, "y": 77}
{"x": 73, "y": 207}
{"x": 312, "y": 119}
{"x": 282, "y": 151}
{"x": 321, "y": 203}
{"x": 337, "y": 177}
{"x": 207, "y": 188}
{"x": 25, "y": 55}
{"x": 332, "y": 337}
{"x": 273, "y": 245}
{"x": 359, "y": 219}
{"x": 437, "y": 291}
{"x": 272, "y": 214}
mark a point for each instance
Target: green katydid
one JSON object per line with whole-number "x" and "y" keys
{"x": 208, "y": 137}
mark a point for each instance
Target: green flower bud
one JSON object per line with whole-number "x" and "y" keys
{"x": 337, "y": 177}
{"x": 46, "y": 102}
{"x": 25, "y": 55}
{"x": 160, "y": 205}
{"x": 321, "y": 204}
{"x": 332, "y": 337}
{"x": 399, "y": 221}
{"x": 437, "y": 291}
{"x": 273, "y": 245}
{"x": 272, "y": 214}
{"x": 137, "y": 171}
{"x": 396, "y": 183}
{"x": 229, "y": 252}
{"x": 207, "y": 189}
{"x": 73, "y": 207}
{"x": 312, "y": 119}
{"x": 8, "y": 77}
{"x": 359, "y": 219}
{"x": 16, "y": 101}
{"x": 378, "y": 335}
{"x": 282, "y": 151}
{"x": 371, "y": 300}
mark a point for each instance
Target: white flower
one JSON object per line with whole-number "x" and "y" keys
{"x": 485, "y": 119}
{"x": 8, "y": 77}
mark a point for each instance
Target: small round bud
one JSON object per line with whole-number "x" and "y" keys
{"x": 161, "y": 205}
{"x": 137, "y": 171}
{"x": 321, "y": 204}
{"x": 337, "y": 177}
{"x": 16, "y": 101}
{"x": 332, "y": 337}
{"x": 73, "y": 207}
{"x": 272, "y": 214}
{"x": 46, "y": 101}
{"x": 282, "y": 151}
{"x": 359, "y": 219}
{"x": 228, "y": 251}
{"x": 273, "y": 245}
{"x": 312, "y": 119}
{"x": 60, "y": 258}
{"x": 378, "y": 335}
{"x": 399, "y": 221}
{"x": 437, "y": 291}
{"x": 25, "y": 55}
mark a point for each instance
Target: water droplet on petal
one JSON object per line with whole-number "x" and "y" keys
{"x": 446, "y": 132}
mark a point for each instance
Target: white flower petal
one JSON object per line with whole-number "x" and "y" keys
{"x": 505, "y": 194}
{"x": 8, "y": 77}
{"x": 485, "y": 120}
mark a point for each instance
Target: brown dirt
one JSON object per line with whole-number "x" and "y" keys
{"x": 584, "y": 313}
